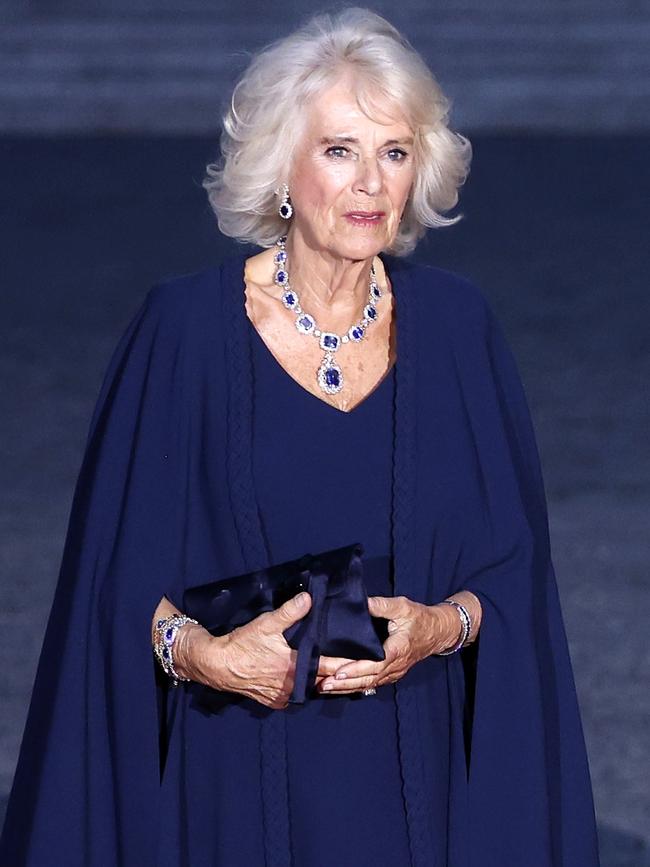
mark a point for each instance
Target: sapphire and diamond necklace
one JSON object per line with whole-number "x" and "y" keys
{"x": 329, "y": 374}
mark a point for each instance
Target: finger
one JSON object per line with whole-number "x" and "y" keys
{"x": 286, "y": 615}
{"x": 378, "y": 605}
{"x": 358, "y": 668}
{"x": 330, "y": 664}
{"x": 386, "y": 606}
{"x": 355, "y": 684}
{"x": 394, "y": 647}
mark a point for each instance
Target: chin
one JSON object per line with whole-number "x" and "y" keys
{"x": 360, "y": 249}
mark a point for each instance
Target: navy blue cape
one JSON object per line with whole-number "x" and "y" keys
{"x": 165, "y": 500}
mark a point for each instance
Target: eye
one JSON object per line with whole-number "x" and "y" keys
{"x": 399, "y": 151}
{"x": 336, "y": 148}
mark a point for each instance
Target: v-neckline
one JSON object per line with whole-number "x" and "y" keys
{"x": 274, "y": 360}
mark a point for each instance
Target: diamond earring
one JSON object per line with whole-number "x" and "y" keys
{"x": 285, "y": 210}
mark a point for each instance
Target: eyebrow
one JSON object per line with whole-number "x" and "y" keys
{"x": 352, "y": 140}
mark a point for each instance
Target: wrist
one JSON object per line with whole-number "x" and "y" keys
{"x": 447, "y": 628}
{"x": 166, "y": 633}
{"x": 197, "y": 654}
{"x": 453, "y": 626}
{"x": 473, "y": 606}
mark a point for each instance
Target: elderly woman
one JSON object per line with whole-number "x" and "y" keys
{"x": 226, "y": 439}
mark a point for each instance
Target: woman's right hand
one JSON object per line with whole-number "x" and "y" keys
{"x": 254, "y": 660}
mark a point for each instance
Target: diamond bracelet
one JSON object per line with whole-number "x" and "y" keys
{"x": 166, "y": 631}
{"x": 466, "y": 620}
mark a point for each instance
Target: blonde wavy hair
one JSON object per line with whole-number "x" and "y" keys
{"x": 265, "y": 120}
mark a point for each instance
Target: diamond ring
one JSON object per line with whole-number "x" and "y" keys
{"x": 370, "y": 691}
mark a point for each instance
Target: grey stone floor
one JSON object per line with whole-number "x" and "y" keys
{"x": 555, "y": 232}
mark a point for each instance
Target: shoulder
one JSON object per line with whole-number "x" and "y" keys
{"x": 192, "y": 303}
{"x": 179, "y": 294}
{"x": 447, "y": 295}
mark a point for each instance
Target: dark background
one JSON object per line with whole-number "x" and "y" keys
{"x": 108, "y": 114}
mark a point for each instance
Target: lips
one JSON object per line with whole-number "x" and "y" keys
{"x": 364, "y": 218}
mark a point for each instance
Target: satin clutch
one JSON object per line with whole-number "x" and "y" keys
{"x": 337, "y": 624}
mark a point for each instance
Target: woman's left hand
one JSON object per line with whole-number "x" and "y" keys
{"x": 415, "y": 631}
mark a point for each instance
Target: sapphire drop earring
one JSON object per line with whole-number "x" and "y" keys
{"x": 285, "y": 210}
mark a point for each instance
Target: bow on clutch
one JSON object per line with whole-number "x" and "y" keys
{"x": 337, "y": 624}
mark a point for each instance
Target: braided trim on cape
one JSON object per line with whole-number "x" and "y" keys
{"x": 255, "y": 553}
{"x": 403, "y": 530}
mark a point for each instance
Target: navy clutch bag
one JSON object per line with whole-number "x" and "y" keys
{"x": 337, "y": 624}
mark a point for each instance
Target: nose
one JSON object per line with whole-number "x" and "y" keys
{"x": 368, "y": 178}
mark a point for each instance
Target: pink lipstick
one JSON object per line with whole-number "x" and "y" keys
{"x": 365, "y": 218}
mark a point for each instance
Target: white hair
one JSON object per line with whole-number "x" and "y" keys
{"x": 265, "y": 120}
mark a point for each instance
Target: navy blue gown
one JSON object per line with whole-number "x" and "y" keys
{"x": 323, "y": 480}
{"x": 476, "y": 759}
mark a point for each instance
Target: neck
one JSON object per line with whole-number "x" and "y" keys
{"x": 327, "y": 282}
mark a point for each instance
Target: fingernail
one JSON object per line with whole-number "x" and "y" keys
{"x": 300, "y": 599}
{"x": 328, "y": 686}
{"x": 341, "y": 675}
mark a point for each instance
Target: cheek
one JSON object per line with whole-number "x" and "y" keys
{"x": 323, "y": 184}
{"x": 400, "y": 187}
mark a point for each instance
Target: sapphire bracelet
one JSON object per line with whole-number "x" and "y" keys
{"x": 166, "y": 631}
{"x": 466, "y": 621}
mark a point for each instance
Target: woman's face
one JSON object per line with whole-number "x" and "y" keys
{"x": 347, "y": 162}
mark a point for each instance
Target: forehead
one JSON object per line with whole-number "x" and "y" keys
{"x": 335, "y": 111}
